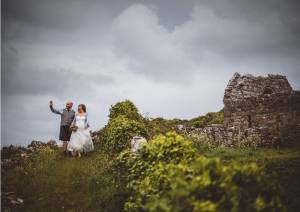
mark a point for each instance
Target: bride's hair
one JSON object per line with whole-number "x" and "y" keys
{"x": 83, "y": 107}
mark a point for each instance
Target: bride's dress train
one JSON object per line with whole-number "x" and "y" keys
{"x": 81, "y": 139}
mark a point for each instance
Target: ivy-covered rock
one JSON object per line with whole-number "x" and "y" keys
{"x": 119, "y": 131}
{"x": 171, "y": 148}
{"x": 169, "y": 175}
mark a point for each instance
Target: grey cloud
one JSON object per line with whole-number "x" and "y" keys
{"x": 52, "y": 82}
{"x": 208, "y": 37}
{"x": 25, "y": 118}
{"x": 287, "y": 11}
{"x": 148, "y": 46}
{"x": 20, "y": 80}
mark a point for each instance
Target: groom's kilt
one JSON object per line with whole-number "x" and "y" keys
{"x": 65, "y": 133}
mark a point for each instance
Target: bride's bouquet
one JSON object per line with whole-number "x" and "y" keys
{"x": 73, "y": 128}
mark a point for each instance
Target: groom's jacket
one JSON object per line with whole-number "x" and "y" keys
{"x": 66, "y": 116}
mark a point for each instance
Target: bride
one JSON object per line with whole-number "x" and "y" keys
{"x": 80, "y": 140}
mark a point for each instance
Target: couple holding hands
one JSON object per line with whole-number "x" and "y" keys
{"x": 74, "y": 129}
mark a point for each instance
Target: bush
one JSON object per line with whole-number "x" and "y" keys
{"x": 169, "y": 175}
{"x": 170, "y": 148}
{"x": 208, "y": 119}
{"x": 125, "y": 108}
{"x": 119, "y": 131}
{"x": 203, "y": 185}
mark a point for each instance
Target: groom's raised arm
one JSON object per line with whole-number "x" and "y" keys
{"x": 59, "y": 112}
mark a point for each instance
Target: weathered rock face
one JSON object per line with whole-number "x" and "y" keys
{"x": 261, "y": 102}
{"x": 137, "y": 142}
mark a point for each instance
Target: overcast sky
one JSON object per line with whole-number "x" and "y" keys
{"x": 172, "y": 58}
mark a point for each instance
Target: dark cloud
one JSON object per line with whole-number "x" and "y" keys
{"x": 284, "y": 11}
{"x": 254, "y": 10}
{"x": 61, "y": 14}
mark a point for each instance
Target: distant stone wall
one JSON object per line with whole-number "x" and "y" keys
{"x": 219, "y": 135}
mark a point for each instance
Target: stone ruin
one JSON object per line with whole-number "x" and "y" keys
{"x": 260, "y": 111}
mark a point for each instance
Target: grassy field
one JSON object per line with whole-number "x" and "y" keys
{"x": 52, "y": 182}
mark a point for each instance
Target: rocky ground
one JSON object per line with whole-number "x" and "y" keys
{"x": 12, "y": 156}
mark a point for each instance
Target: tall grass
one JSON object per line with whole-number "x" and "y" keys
{"x": 54, "y": 182}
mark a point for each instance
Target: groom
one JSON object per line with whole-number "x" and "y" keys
{"x": 67, "y": 115}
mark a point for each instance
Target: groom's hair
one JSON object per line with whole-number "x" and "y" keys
{"x": 83, "y": 107}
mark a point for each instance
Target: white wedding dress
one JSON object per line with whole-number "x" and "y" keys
{"x": 81, "y": 139}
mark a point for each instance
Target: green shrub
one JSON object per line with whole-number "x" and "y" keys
{"x": 208, "y": 119}
{"x": 121, "y": 166}
{"x": 125, "y": 108}
{"x": 160, "y": 125}
{"x": 205, "y": 184}
{"x": 125, "y": 122}
{"x": 119, "y": 131}
{"x": 170, "y": 148}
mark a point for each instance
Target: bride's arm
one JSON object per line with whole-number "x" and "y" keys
{"x": 87, "y": 124}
